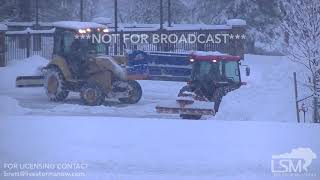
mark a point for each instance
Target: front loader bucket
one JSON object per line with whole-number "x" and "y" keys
{"x": 29, "y": 81}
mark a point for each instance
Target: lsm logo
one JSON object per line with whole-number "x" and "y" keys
{"x": 295, "y": 163}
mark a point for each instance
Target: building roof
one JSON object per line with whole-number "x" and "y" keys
{"x": 75, "y": 25}
{"x": 213, "y": 55}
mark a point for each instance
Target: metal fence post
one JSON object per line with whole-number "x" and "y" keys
{"x": 159, "y": 44}
{"x": 28, "y": 43}
{"x": 2, "y": 49}
{"x": 200, "y": 46}
{"x": 122, "y": 44}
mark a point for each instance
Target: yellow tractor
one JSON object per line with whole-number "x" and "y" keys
{"x": 80, "y": 65}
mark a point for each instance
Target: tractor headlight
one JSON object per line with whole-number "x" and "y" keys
{"x": 82, "y": 31}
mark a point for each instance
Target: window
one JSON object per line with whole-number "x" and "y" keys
{"x": 67, "y": 41}
{"x": 232, "y": 71}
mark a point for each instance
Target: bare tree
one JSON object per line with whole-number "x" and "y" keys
{"x": 301, "y": 23}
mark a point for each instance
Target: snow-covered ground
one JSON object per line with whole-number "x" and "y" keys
{"x": 268, "y": 96}
{"x": 143, "y": 148}
{"x": 120, "y": 142}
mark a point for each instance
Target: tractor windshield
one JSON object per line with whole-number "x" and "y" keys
{"x": 88, "y": 45}
{"x": 72, "y": 44}
{"x": 220, "y": 71}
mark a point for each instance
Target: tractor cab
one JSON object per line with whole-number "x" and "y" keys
{"x": 217, "y": 69}
{"x": 212, "y": 71}
{"x": 72, "y": 37}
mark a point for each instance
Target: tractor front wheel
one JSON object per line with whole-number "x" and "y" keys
{"x": 134, "y": 91}
{"x": 54, "y": 85}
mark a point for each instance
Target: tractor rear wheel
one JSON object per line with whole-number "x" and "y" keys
{"x": 55, "y": 85}
{"x": 135, "y": 93}
{"x": 92, "y": 94}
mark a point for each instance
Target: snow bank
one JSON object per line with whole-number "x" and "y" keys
{"x": 236, "y": 22}
{"x": 25, "y": 67}
{"x": 269, "y": 94}
{"x": 10, "y": 106}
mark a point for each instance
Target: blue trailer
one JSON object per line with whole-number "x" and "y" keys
{"x": 165, "y": 66}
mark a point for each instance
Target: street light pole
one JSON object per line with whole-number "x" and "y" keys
{"x": 169, "y": 13}
{"x": 161, "y": 14}
{"x": 37, "y": 13}
{"x": 116, "y": 25}
{"x": 81, "y": 10}
{"x": 115, "y": 16}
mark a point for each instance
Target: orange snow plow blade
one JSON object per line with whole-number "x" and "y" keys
{"x": 184, "y": 106}
{"x": 177, "y": 110}
{"x": 29, "y": 81}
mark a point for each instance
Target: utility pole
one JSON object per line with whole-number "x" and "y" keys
{"x": 296, "y": 95}
{"x": 161, "y": 14}
{"x": 37, "y": 13}
{"x": 116, "y": 27}
{"x": 116, "y": 16}
{"x": 25, "y": 13}
{"x": 81, "y": 10}
{"x": 169, "y": 13}
{"x": 316, "y": 80}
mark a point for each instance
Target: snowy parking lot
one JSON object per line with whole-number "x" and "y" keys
{"x": 268, "y": 95}
{"x": 144, "y": 148}
{"x": 120, "y": 142}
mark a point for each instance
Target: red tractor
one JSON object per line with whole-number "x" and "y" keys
{"x": 213, "y": 76}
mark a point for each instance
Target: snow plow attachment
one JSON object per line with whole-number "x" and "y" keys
{"x": 187, "y": 107}
{"x": 29, "y": 81}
